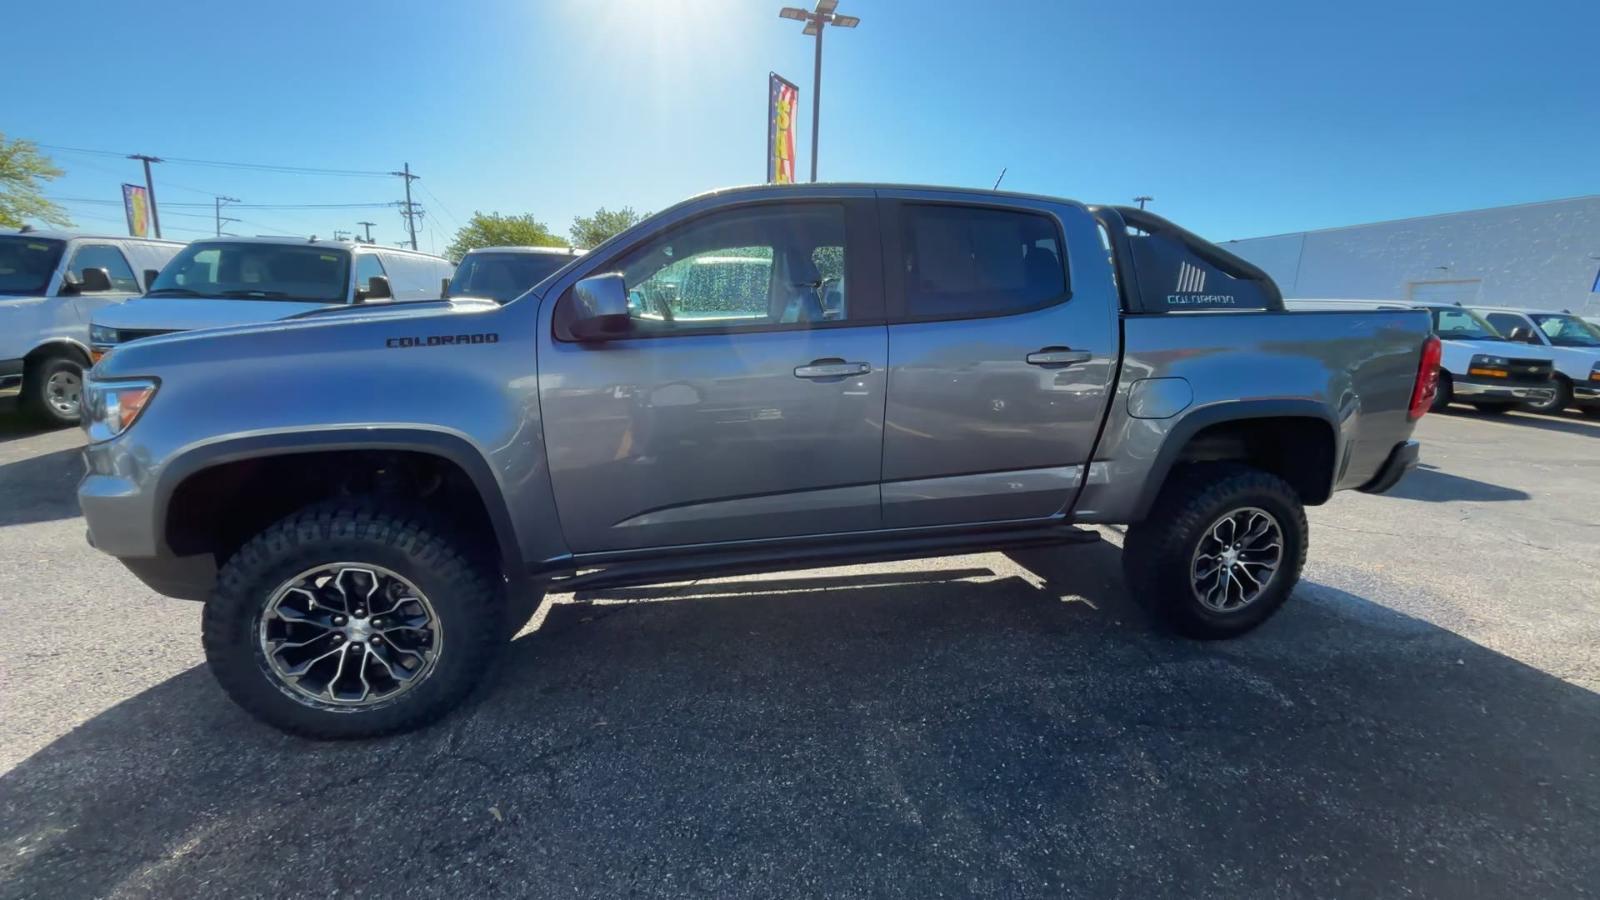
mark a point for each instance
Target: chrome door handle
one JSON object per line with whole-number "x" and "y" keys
{"x": 1059, "y": 356}
{"x": 831, "y": 368}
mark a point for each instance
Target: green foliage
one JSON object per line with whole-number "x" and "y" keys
{"x": 23, "y": 170}
{"x": 588, "y": 231}
{"x": 495, "y": 230}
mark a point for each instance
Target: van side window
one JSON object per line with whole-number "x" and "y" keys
{"x": 1505, "y": 323}
{"x": 105, "y": 256}
{"x": 963, "y": 261}
{"x": 368, "y": 266}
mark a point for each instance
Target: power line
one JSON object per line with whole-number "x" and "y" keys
{"x": 227, "y": 164}
{"x": 442, "y": 207}
{"x": 372, "y": 205}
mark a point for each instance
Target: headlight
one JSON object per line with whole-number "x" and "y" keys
{"x": 110, "y": 407}
{"x": 1495, "y": 362}
{"x": 100, "y": 334}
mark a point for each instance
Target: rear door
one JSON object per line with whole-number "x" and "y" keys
{"x": 747, "y": 399}
{"x": 1002, "y": 351}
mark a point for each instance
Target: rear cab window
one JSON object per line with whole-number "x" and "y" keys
{"x": 969, "y": 261}
{"x": 503, "y": 277}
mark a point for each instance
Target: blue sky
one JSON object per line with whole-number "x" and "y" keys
{"x": 1240, "y": 118}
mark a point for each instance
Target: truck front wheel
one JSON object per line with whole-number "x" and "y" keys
{"x": 346, "y": 620}
{"x": 1219, "y": 552}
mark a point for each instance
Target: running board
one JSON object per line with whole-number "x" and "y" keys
{"x": 720, "y": 563}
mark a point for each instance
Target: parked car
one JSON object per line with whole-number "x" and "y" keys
{"x": 1476, "y": 365}
{"x": 503, "y": 274}
{"x": 372, "y": 500}
{"x": 1569, "y": 340}
{"x": 50, "y": 284}
{"x": 236, "y": 281}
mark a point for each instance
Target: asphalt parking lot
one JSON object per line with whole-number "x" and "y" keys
{"x": 1421, "y": 719}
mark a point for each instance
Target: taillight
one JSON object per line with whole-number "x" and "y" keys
{"x": 1427, "y": 378}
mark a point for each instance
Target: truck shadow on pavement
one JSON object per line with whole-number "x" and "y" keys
{"x": 1434, "y": 485}
{"x": 41, "y": 488}
{"x": 912, "y": 734}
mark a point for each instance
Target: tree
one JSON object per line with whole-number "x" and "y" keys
{"x": 23, "y": 169}
{"x": 495, "y": 230}
{"x": 589, "y": 231}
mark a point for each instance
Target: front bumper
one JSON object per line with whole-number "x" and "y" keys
{"x": 11, "y": 377}
{"x": 1473, "y": 390}
{"x": 117, "y": 495}
{"x": 1586, "y": 393}
{"x": 1402, "y": 459}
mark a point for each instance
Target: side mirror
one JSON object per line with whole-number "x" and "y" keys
{"x": 94, "y": 281}
{"x": 600, "y": 308}
{"x": 377, "y": 289}
{"x": 150, "y": 276}
{"x": 444, "y": 289}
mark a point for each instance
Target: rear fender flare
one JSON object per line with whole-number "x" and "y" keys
{"x": 1197, "y": 420}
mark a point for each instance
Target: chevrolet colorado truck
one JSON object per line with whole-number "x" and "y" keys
{"x": 371, "y": 500}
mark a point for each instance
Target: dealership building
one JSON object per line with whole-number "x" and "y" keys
{"x": 1534, "y": 255}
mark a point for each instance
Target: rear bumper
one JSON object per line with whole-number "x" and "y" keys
{"x": 10, "y": 377}
{"x": 1402, "y": 459}
{"x": 1480, "y": 391}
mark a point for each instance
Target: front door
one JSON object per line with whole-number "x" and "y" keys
{"x": 746, "y": 401}
{"x": 1000, "y": 364}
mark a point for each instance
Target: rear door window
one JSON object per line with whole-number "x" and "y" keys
{"x": 965, "y": 262}
{"x": 105, "y": 256}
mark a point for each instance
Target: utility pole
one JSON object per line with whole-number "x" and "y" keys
{"x": 1142, "y": 200}
{"x": 369, "y": 229}
{"x": 816, "y": 20}
{"x": 410, "y": 210}
{"x": 150, "y": 187}
{"x": 220, "y": 217}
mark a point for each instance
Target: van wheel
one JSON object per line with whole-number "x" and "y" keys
{"x": 346, "y": 620}
{"x": 1219, "y": 551}
{"x": 53, "y": 390}
{"x": 1444, "y": 393}
{"x": 1557, "y": 401}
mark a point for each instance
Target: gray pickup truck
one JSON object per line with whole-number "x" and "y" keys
{"x": 370, "y": 500}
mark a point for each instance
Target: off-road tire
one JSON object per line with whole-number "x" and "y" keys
{"x": 1558, "y": 401}
{"x": 464, "y": 594}
{"x": 36, "y": 389}
{"x": 1157, "y": 554}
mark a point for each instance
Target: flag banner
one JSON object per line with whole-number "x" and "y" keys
{"x": 136, "y": 203}
{"x": 783, "y": 100}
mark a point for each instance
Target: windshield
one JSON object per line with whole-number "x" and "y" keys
{"x": 504, "y": 276}
{"x": 1565, "y": 331}
{"x": 26, "y": 263}
{"x": 1463, "y": 325}
{"x": 249, "y": 271}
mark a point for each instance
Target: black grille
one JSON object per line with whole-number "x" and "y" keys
{"x": 1529, "y": 371}
{"x": 125, "y": 335}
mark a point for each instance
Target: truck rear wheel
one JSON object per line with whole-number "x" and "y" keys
{"x": 346, "y": 620}
{"x": 1219, "y": 552}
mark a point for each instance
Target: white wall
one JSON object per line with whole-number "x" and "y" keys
{"x": 1538, "y": 255}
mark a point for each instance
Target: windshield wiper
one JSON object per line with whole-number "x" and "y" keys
{"x": 172, "y": 292}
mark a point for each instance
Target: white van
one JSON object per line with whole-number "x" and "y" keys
{"x": 241, "y": 281}
{"x": 1477, "y": 364}
{"x": 51, "y": 283}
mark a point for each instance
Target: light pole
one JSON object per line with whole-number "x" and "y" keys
{"x": 1142, "y": 200}
{"x": 816, "y": 20}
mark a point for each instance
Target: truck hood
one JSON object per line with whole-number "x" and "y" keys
{"x": 185, "y": 313}
{"x": 1507, "y": 349}
{"x": 334, "y": 325}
